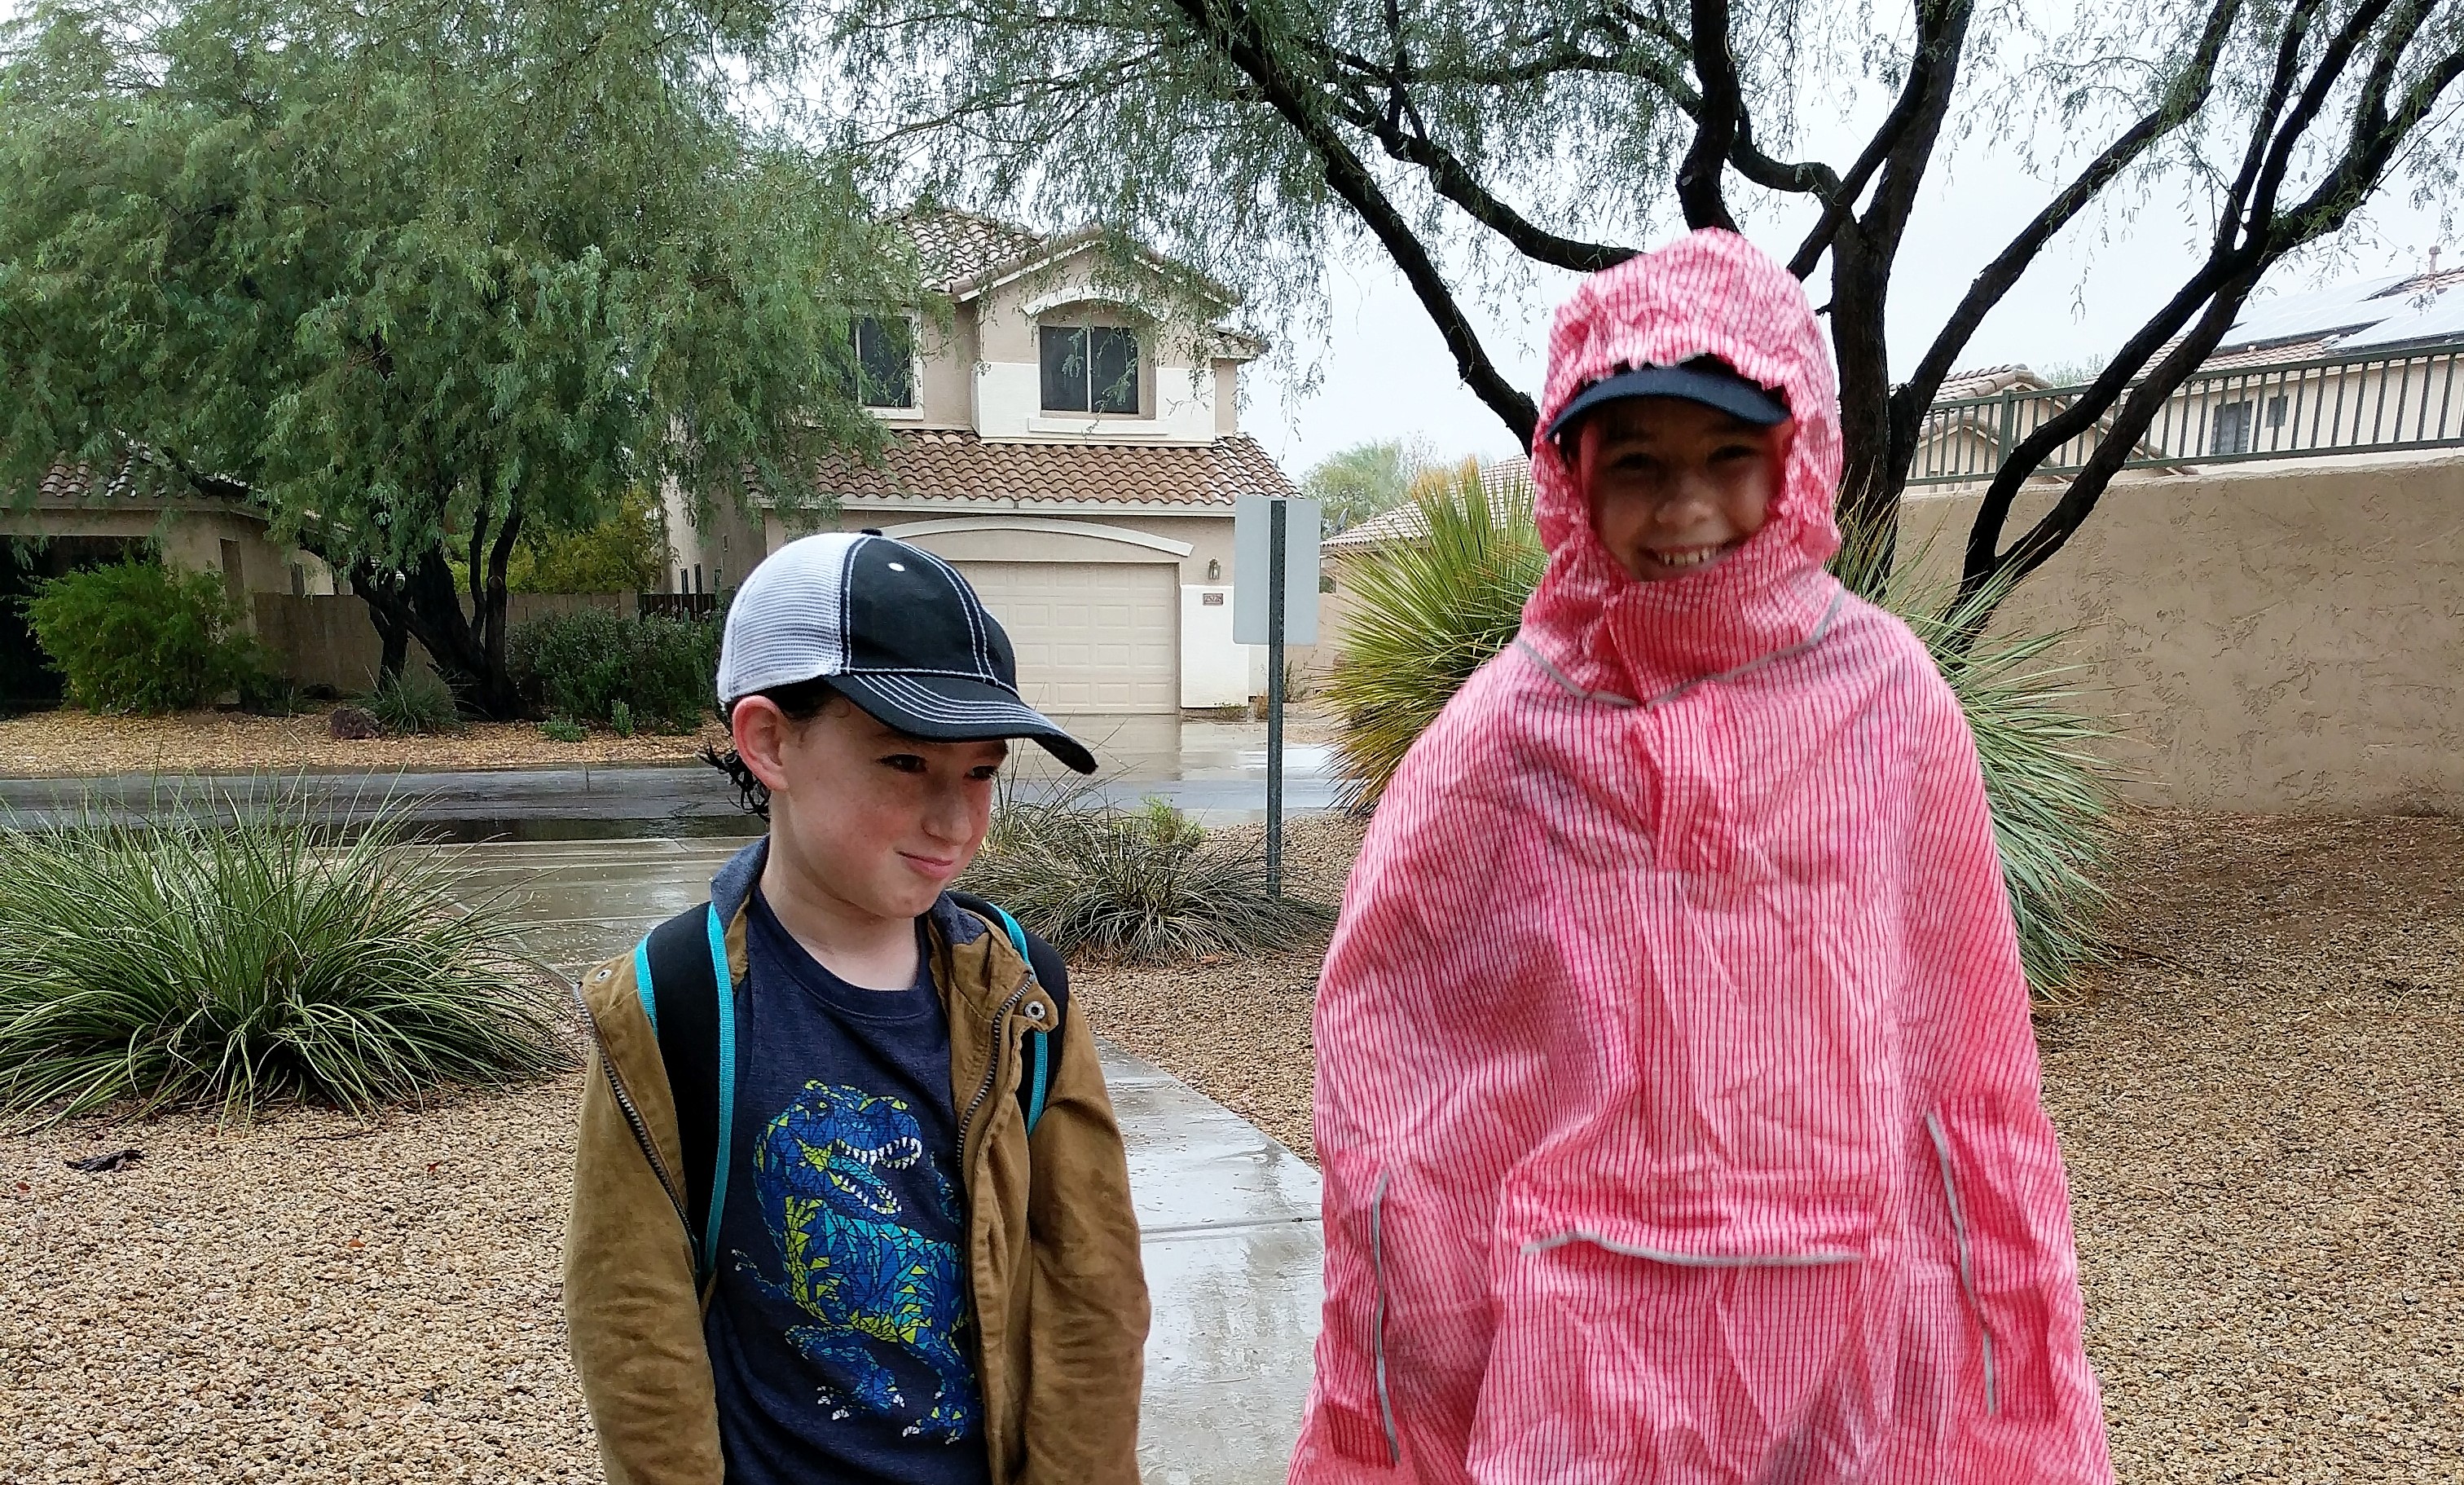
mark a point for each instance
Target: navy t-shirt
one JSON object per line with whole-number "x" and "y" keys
{"x": 841, "y": 1333}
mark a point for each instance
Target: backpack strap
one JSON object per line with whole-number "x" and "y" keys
{"x": 681, "y": 972}
{"x": 1042, "y": 1053}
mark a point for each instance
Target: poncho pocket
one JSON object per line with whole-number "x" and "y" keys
{"x": 1611, "y": 1363}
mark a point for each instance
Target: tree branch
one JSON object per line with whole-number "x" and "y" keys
{"x": 2181, "y": 101}
{"x": 1846, "y": 190}
{"x": 1234, "y": 32}
{"x": 1716, "y": 123}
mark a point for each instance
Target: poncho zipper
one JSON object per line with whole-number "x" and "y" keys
{"x": 1967, "y": 1269}
{"x": 1377, "y": 1319}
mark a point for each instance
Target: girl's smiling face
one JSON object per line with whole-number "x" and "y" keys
{"x": 1673, "y": 486}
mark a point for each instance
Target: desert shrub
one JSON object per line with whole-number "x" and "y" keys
{"x": 1425, "y": 615}
{"x": 229, "y": 955}
{"x": 137, "y": 637}
{"x": 1429, "y": 613}
{"x": 580, "y": 665}
{"x": 413, "y": 701}
{"x": 1141, "y": 884}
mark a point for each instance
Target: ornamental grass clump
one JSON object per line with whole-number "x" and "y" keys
{"x": 224, "y": 956}
{"x": 1144, "y": 884}
{"x": 1428, "y": 612}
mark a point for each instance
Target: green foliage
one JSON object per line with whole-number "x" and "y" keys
{"x": 137, "y": 637}
{"x": 229, "y": 956}
{"x": 2053, "y": 805}
{"x": 556, "y": 729}
{"x": 414, "y": 702}
{"x": 1425, "y": 615}
{"x": 1142, "y": 884}
{"x": 416, "y": 275}
{"x": 626, "y": 553}
{"x": 586, "y": 664}
{"x": 1428, "y": 613}
{"x": 268, "y": 695}
{"x": 620, "y": 717}
{"x": 1367, "y": 480}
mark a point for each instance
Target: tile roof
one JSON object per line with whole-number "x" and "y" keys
{"x": 1988, "y": 382}
{"x": 135, "y": 478}
{"x": 1509, "y": 476}
{"x": 953, "y": 247}
{"x": 955, "y": 464}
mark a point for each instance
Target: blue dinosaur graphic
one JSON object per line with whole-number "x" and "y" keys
{"x": 853, "y": 1268}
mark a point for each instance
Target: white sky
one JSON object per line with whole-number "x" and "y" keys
{"x": 1383, "y": 373}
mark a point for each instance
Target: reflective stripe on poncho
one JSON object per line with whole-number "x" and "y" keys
{"x": 1676, "y": 1090}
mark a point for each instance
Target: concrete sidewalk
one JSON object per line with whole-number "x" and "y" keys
{"x": 1230, "y": 1217}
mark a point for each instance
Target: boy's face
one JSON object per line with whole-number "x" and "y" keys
{"x": 1673, "y": 486}
{"x": 870, "y": 816}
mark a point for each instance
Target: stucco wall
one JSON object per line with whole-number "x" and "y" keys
{"x": 329, "y": 640}
{"x": 2271, "y": 637}
{"x": 205, "y": 540}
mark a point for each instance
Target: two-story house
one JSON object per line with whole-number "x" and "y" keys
{"x": 1072, "y": 444}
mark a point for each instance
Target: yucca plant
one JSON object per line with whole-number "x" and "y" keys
{"x": 1138, "y": 884}
{"x": 1429, "y": 611}
{"x": 225, "y": 955}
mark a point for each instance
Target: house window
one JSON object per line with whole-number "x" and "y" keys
{"x": 1090, "y": 368}
{"x": 2231, "y": 432}
{"x": 2276, "y": 411}
{"x": 884, "y": 360}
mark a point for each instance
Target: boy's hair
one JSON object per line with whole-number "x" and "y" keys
{"x": 801, "y": 701}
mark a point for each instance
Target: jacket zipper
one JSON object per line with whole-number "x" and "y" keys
{"x": 993, "y": 1063}
{"x": 633, "y": 1118}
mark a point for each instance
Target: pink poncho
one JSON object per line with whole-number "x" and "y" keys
{"x": 1676, "y": 1090}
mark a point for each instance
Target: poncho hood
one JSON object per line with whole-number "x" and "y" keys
{"x": 1708, "y": 294}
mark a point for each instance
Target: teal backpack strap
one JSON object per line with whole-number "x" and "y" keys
{"x": 1039, "y": 1044}
{"x": 724, "y": 982}
{"x": 681, "y": 972}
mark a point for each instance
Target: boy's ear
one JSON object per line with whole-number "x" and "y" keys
{"x": 760, "y": 732}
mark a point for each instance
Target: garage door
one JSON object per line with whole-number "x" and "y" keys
{"x": 1090, "y": 637}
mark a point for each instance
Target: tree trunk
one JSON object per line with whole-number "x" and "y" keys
{"x": 1869, "y": 485}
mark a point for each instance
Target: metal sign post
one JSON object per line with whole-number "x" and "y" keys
{"x": 1275, "y": 575}
{"x": 1274, "y": 567}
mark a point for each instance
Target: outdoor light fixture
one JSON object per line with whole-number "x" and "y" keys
{"x": 1214, "y": 571}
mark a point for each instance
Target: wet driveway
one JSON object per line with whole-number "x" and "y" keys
{"x": 1229, "y": 1216}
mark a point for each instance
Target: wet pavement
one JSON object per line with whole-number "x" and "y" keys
{"x": 1216, "y": 770}
{"x": 1229, "y": 1216}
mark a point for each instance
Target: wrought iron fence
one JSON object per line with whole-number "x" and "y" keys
{"x": 2364, "y": 404}
{"x": 677, "y": 605}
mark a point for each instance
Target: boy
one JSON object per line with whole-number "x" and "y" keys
{"x": 1676, "y": 1090}
{"x": 910, "y": 1255}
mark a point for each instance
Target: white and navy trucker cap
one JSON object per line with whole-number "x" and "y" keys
{"x": 891, "y": 628}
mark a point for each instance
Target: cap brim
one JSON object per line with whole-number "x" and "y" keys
{"x": 956, "y": 709}
{"x": 1729, "y": 393}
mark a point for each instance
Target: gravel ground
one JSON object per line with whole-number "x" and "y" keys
{"x": 71, "y": 743}
{"x": 303, "y": 1300}
{"x": 2262, "y": 1106}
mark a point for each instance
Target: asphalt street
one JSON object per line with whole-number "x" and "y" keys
{"x": 1216, "y": 770}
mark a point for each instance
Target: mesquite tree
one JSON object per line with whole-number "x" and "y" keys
{"x": 1461, "y": 137}
{"x": 420, "y": 275}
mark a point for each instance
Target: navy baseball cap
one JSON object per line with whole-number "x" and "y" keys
{"x": 1706, "y": 379}
{"x": 894, "y": 630}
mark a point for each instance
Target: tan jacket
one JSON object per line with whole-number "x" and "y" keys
{"x": 1052, "y": 1245}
